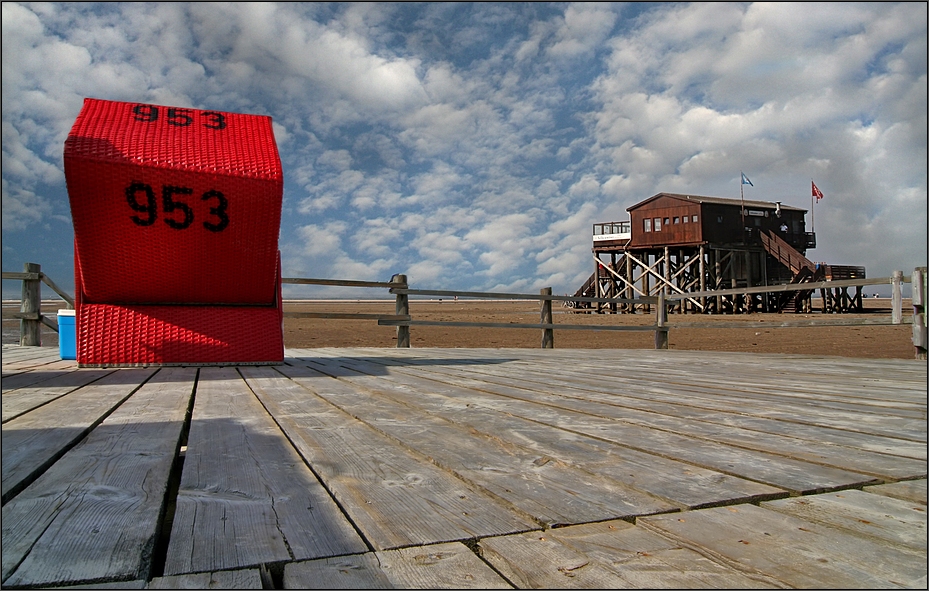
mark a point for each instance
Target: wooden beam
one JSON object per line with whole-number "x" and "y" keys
{"x": 645, "y": 328}
{"x": 548, "y": 335}
{"x": 30, "y": 330}
{"x": 339, "y": 282}
{"x": 623, "y": 279}
{"x": 810, "y": 286}
{"x": 402, "y": 308}
{"x": 345, "y": 316}
{"x": 62, "y": 293}
{"x": 13, "y": 276}
{"x": 668, "y": 283}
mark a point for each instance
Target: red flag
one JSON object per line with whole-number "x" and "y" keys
{"x": 816, "y": 192}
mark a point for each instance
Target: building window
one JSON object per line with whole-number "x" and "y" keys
{"x": 666, "y": 221}
{"x": 677, "y": 220}
{"x": 648, "y": 225}
{"x": 658, "y": 224}
{"x": 693, "y": 218}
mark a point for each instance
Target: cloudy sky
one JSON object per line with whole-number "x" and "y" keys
{"x": 472, "y": 146}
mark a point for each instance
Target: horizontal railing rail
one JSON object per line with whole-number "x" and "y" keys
{"x": 337, "y": 282}
{"x": 535, "y": 325}
{"x": 346, "y": 283}
{"x": 523, "y": 296}
{"x": 31, "y": 316}
{"x": 44, "y": 279}
{"x": 812, "y": 285}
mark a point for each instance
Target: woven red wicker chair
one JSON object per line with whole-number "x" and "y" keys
{"x": 176, "y": 218}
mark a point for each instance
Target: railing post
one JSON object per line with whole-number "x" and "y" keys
{"x": 661, "y": 320}
{"x": 402, "y": 309}
{"x": 548, "y": 334}
{"x": 896, "y": 298}
{"x": 919, "y": 312}
{"x": 30, "y": 329}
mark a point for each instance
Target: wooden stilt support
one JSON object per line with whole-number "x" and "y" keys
{"x": 402, "y": 309}
{"x": 30, "y": 325}
{"x": 548, "y": 334}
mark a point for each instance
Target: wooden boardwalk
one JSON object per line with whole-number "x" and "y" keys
{"x": 466, "y": 468}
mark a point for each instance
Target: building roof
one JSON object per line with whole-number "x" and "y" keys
{"x": 718, "y": 201}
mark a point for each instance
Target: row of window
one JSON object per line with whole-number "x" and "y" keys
{"x": 656, "y": 222}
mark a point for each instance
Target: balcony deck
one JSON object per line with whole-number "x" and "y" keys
{"x": 466, "y": 468}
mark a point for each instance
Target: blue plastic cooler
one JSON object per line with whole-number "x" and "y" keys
{"x": 67, "y": 337}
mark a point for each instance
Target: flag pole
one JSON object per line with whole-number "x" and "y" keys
{"x": 742, "y": 196}
{"x": 812, "y": 209}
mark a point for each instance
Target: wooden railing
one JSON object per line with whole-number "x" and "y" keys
{"x": 785, "y": 253}
{"x": 662, "y": 326}
{"x": 30, "y": 309}
{"x": 31, "y": 317}
{"x": 396, "y": 282}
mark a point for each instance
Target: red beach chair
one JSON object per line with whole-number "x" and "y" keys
{"x": 176, "y": 217}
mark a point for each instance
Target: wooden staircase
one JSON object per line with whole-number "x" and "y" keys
{"x": 803, "y": 269}
{"x": 785, "y": 253}
{"x": 589, "y": 288}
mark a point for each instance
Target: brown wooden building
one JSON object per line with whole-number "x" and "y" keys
{"x": 669, "y": 219}
{"x": 690, "y": 243}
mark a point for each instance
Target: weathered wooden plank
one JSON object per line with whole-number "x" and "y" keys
{"x": 766, "y": 372}
{"x": 136, "y": 584}
{"x": 23, "y": 400}
{"x": 41, "y": 356}
{"x": 846, "y": 457}
{"x": 769, "y": 440}
{"x": 764, "y": 377}
{"x": 12, "y": 352}
{"x": 680, "y": 409}
{"x": 468, "y": 390}
{"x": 609, "y": 555}
{"x": 246, "y": 497}
{"x": 891, "y": 383}
{"x": 449, "y": 566}
{"x": 734, "y": 387}
{"x": 908, "y": 490}
{"x": 660, "y": 401}
{"x": 794, "y": 551}
{"x": 778, "y": 471}
{"x": 870, "y": 516}
{"x": 360, "y": 571}
{"x": 686, "y": 485}
{"x": 93, "y": 516}
{"x": 550, "y": 492}
{"x": 393, "y": 496}
{"x": 883, "y": 384}
{"x": 228, "y": 579}
{"x": 786, "y": 473}
{"x": 441, "y": 566}
{"x": 13, "y": 356}
{"x": 537, "y": 561}
{"x": 684, "y": 410}
{"x": 31, "y": 442}
{"x": 32, "y": 377}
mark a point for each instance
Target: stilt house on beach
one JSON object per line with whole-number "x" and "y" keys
{"x": 691, "y": 243}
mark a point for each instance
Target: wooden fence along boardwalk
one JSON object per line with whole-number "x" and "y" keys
{"x": 454, "y": 468}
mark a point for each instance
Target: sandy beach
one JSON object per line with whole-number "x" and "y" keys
{"x": 873, "y": 342}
